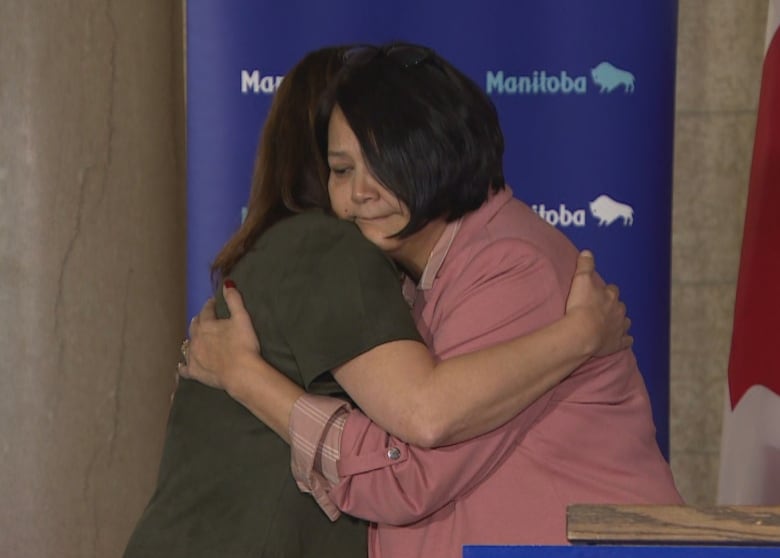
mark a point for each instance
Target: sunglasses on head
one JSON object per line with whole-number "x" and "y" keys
{"x": 405, "y": 54}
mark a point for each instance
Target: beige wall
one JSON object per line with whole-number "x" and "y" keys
{"x": 92, "y": 254}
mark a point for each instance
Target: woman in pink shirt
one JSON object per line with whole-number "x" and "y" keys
{"x": 415, "y": 150}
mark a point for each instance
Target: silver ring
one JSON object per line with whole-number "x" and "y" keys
{"x": 185, "y": 349}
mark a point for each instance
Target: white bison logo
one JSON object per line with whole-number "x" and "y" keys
{"x": 608, "y": 77}
{"x": 607, "y": 210}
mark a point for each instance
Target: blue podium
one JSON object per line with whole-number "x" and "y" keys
{"x": 620, "y": 551}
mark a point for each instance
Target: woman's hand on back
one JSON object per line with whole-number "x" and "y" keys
{"x": 220, "y": 350}
{"x": 600, "y": 307}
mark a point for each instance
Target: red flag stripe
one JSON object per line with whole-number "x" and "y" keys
{"x": 754, "y": 355}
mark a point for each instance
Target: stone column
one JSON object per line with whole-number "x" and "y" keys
{"x": 92, "y": 235}
{"x": 719, "y": 56}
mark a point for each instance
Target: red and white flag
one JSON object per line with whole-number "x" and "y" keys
{"x": 750, "y": 449}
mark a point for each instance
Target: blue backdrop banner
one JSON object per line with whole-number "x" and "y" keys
{"x": 584, "y": 90}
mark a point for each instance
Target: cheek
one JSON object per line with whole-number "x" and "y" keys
{"x": 403, "y": 213}
{"x": 395, "y": 202}
{"x": 338, "y": 203}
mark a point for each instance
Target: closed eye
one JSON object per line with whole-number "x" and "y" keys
{"x": 340, "y": 171}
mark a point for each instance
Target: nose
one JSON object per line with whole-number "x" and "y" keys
{"x": 363, "y": 190}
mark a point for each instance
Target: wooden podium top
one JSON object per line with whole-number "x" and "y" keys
{"x": 650, "y": 524}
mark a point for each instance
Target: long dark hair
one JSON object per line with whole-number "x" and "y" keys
{"x": 290, "y": 174}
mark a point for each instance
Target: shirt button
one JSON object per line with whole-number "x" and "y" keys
{"x": 393, "y": 453}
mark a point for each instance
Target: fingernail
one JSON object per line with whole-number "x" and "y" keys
{"x": 229, "y": 284}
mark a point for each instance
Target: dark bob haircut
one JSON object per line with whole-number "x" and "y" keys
{"x": 428, "y": 133}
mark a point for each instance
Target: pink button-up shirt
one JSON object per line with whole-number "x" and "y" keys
{"x": 499, "y": 273}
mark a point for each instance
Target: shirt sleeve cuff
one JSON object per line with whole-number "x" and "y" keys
{"x": 316, "y": 425}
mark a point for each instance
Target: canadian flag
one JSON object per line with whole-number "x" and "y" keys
{"x": 750, "y": 448}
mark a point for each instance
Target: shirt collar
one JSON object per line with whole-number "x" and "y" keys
{"x": 472, "y": 221}
{"x": 435, "y": 261}
{"x": 438, "y": 254}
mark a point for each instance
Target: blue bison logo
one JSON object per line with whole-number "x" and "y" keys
{"x": 608, "y": 77}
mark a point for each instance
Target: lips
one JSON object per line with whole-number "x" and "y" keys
{"x": 368, "y": 219}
